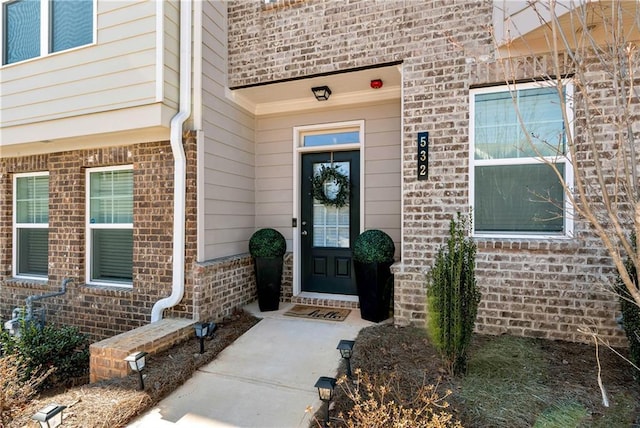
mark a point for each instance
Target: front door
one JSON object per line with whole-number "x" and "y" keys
{"x": 328, "y": 232}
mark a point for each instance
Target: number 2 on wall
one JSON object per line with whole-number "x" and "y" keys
{"x": 423, "y": 155}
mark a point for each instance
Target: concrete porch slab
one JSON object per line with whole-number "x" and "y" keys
{"x": 264, "y": 379}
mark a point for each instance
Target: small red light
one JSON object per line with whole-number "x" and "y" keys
{"x": 376, "y": 83}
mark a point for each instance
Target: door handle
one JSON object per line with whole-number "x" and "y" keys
{"x": 303, "y": 233}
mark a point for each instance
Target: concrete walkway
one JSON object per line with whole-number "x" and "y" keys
{"x": 264, "y": 379}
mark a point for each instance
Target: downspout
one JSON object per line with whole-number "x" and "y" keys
{"x": 179, "y": 166}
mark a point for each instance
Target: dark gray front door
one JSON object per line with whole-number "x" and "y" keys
{"x": 328, "y": 232}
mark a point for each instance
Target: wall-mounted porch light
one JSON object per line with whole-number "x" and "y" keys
{"x": 50, "y": 416}
{"x": 325, "y": 387}
{"x": 321, "y": 93}
{"x": 137, "y": 362}
{"x": 346, "y": 351}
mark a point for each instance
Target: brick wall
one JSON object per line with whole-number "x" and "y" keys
{"x": 530, "y": 287}
{"x": 100, "y": 311}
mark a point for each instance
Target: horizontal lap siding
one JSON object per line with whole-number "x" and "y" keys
{"x": 274, "y": 170}
{"x": 228, "y": 151}
{"x": 118, "y": 71}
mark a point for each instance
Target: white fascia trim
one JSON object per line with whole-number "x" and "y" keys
{"x": 159, "y": 51}
{"x": 197, "y": 125}
{"x": 310, "y": 103}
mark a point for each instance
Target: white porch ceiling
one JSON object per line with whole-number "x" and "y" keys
{"x": 295, "y": 95}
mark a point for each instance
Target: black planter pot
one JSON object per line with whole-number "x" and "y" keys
{"x": 268, "y": 272}
{"x": 375, "y": 284}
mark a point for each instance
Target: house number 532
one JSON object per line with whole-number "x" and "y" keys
{"x": 423, "y": 155}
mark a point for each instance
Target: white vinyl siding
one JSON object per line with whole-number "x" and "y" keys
{"x": 31, "y": 225}
{"x": 124, "y": 68}
{"x": 515, "y": 192}
{"x": 227, "y": 156}
{"x": 381, "y": 186}
{"x": 110, "y": 226}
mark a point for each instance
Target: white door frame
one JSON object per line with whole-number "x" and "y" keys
{"x": 298, "y": 151}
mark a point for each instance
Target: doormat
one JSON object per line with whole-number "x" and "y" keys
{"x": 318, "y": 313}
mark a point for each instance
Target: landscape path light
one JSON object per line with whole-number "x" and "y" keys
{"x": 204, "y": 329}
{"x": 325, "y": 386}
{"x": 50, "y": 416}
{"x": 137, "y": 362}
{"x": 346, "y": 351}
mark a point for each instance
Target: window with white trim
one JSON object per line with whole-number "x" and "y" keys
{"x": 33, "y": 28}
{"x": 110, "y": 226}
{"x": 31, "y": 225}
{"x": 515, "y": 192}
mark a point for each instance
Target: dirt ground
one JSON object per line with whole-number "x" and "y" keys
{"x": 113, "y": 403}
{"x": 405, "y": 355}
{"x": 380, "y": 350}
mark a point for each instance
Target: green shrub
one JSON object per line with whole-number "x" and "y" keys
{"x": 373, "y": 246}
{"x": 630, "y": 313}
{"x": 63, "y": 349}
{"x": 267, "y": 243}
{"x": 453, "y": 297}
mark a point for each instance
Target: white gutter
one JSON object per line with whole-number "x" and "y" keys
{"x": 179, "y": 166}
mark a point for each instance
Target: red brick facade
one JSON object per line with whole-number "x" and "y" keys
{"x": 531, "y": 287}
{"x": 98, "y": 310}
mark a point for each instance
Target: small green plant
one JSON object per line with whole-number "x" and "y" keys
{"x": 267, "y": 243}
{"x": 62, "y": 350}
{"x": 630, "y": 313}
{"x": 453, "y": 297}
{"x": 373, "y": 246}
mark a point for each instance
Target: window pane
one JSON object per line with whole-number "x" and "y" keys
{"x": 352, "y": 137}
{"x": 331, "y": 224}
{"x": 32, "y": 251}
{"x": 111, "y": 197}
{"x": 112, "y": 255}
{"x": 22, "y": 30}
{"x": 32, "y": 199}
{"x": 71, "y": 24}
{"x": 518, "y": 198}
{"x": 498, "y": 132}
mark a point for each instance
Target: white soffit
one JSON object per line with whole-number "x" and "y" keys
{"x": 295, "y": 95}
{"x": 519, "y": 28}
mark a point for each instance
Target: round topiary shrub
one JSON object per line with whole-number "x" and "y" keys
{"x": 267, "y": 243}
{"x": 373, "y": 246}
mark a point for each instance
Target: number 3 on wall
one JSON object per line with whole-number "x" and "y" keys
{"x": 423, "y": 155}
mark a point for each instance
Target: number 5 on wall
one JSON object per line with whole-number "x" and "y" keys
{"x": 423, "y": 155}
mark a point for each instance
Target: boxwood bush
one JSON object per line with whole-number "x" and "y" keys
{"x": 267, "y": 243}
{"x": 63, "y": 349}
{"x": 373, "y": 246}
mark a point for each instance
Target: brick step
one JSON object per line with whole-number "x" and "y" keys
{"x": 107, "y": 356}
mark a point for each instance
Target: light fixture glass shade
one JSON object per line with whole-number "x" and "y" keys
{"x": 50, "y": 416}
{"x": 346, "y": 348}
{"x": 136, "y": 360}
{"x": 202, "y": 329}
{"x": 325, "y": 387}
{"x": 321, "y": 93}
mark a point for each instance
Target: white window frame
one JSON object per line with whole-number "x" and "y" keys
{"x": 17, "y": 225}
{"x": 45, "y": 33}
{"x": 90, "y": 227}
{"x": 562, "y": 159}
